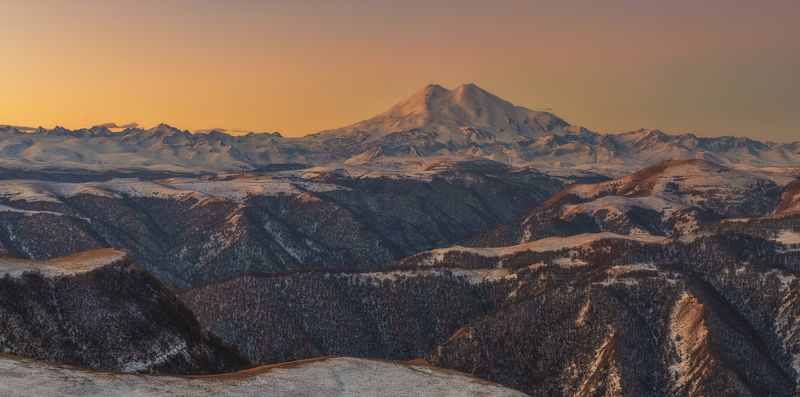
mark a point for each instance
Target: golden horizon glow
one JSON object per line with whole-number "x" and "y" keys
{"x": 708, "y": 67}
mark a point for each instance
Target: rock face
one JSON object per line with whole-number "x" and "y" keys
{"x": 790, "y": 200}
{"x": 193, "y": 230}
{"x": 100, "y": 310}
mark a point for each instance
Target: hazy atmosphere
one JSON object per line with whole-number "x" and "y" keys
{"x": 708, "y": 67}
{"x": 419, "y": 198}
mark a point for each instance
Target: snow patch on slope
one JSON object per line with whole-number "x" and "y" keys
{"x": 689, "y": 335}
{"x": 788, "y": 237}
{"x": 73, "y": 264}
{"x": 178, "y": 347}
{"x": 543, "y": 245}
{"x": 684, "y": 182}
{"x": 235, "y": 188}
{"x": 472, "y": 276}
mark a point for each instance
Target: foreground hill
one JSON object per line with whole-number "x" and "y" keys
{"x": 323, "y": 377}
{"x": 99, "y": 310}
{"x": 466, "y": 121}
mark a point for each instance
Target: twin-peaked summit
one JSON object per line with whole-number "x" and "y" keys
{"x": 466, "y": 113}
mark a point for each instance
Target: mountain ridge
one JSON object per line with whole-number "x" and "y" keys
{"x": 466, "y": 121}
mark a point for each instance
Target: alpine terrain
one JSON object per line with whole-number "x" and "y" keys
{"x": 455, "y": 244}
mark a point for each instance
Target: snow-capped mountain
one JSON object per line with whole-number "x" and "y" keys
{"x": 467, "y": 122}
{"x": 461, "y": 116}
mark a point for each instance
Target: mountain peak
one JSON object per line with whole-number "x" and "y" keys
{"x": 455, "y": 115}
{"x": 470, "y": 88}
{"x": 162, "y": 128}
{"x": 433, "y": 89}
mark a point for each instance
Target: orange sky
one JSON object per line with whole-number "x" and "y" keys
{"x": 709, "y": 67}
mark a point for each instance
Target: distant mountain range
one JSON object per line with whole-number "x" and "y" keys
{"x": 465, "y": 122}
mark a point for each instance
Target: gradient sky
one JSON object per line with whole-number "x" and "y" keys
{"x": 709, "y": 67}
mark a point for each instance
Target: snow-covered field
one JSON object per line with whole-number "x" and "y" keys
{"x": 619, "y": 205}
{"x": 72, "y": 264}
{"x": 473, "y": 276}
{"x": 236, "y": 187}
{"x": 677, "y": 182}
{"x": 325, "y": 377}
{"x": 545, "y": 244}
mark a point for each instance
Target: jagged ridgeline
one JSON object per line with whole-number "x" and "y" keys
{"x": 465, "y": 122}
